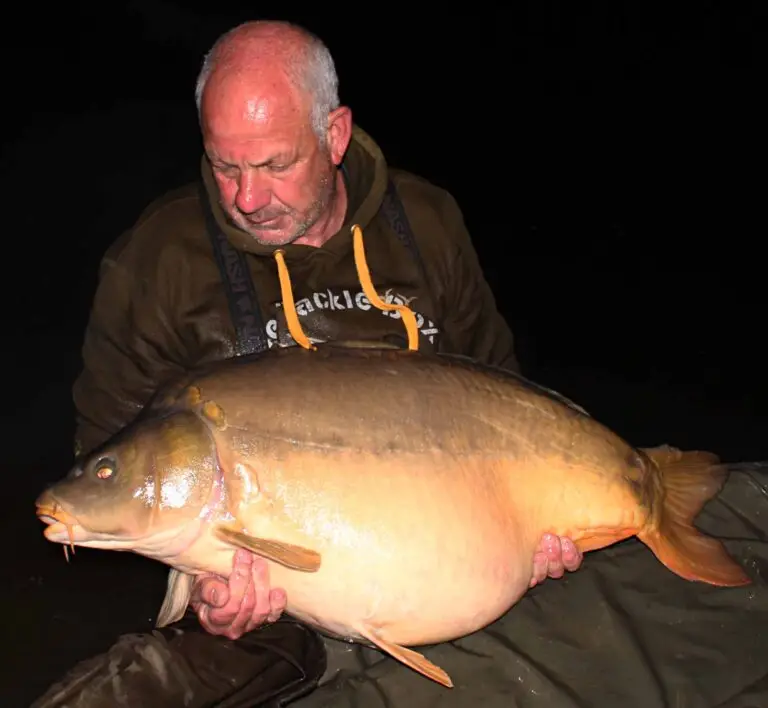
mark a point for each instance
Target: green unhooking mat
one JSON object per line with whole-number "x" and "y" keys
{"x": 622, "y": 632}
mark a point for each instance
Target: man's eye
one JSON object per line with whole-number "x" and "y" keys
{"x": 225, "y": 169}
{"x": 278, "y": 168}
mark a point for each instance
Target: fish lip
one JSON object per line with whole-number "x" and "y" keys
{"x": 53, "y": 513}
{"x": 58, "y": 533}
{"x": 61, "y": 524}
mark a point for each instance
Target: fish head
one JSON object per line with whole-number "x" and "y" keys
{"x": 137, "y": 491}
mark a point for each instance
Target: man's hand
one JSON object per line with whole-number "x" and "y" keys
{"x": 236, "y": 606}
{"x": 554, "y": 556}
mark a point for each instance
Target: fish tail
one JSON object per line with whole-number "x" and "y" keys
{"x": 688, "y": 480}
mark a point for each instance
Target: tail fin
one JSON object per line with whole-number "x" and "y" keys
{"x": 689, "y": 481}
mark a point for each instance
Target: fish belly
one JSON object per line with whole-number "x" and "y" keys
{"x": 422, "y": 548}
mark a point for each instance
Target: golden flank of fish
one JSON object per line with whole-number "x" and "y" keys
{"x": 399, "y": 497}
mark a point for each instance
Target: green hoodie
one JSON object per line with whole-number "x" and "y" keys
{"x": 161, "y": 308}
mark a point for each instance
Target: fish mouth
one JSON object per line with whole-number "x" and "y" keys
{"x": 61, "y": 525}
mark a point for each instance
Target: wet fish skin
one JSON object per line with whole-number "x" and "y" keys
{"x": 400, "y": 497}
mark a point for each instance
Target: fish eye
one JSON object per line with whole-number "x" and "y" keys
{"x": 105, "y": 468}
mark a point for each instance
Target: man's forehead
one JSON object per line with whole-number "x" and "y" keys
{"x": 251, "y": 115}
{"x": 242, "y": 90}
{"x": 257, "y": 134}
{"x": 258, "y": 109}
{"x": 253, "y": 112}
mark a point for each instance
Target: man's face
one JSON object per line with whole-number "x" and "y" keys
{"x": 276, "y": 178}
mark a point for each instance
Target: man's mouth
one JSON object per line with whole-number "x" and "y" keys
{"x": 264, "y": 220}
{"x": 265, "y": 225}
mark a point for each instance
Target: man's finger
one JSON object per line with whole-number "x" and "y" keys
{"x": 261, "y": 610}
{"x": 540, "y": 568}
{"x": 278, "y": 601}
{"x": 214, "y": 592}
{"x": 240, "y": 623}
{"x": 224, "y": 611}
{"x": 243, "y": 560}
{"x": 552, "y": 549}
{"x": 210, "y": 625}
{"x": 572, "y": 557}
{"x": 261, "y": 585}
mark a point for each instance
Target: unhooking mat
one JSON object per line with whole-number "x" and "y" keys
{"x": 621, "y": 632}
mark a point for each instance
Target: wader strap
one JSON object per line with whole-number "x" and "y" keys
{"x": 394, "y": 212}
{"x": 238, "y": 284}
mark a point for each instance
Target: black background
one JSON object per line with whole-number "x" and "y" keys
{"x": 609, "y": 159}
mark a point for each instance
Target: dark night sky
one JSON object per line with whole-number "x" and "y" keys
{"x": 609, "y": 163}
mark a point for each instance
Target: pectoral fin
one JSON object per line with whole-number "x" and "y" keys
{"x": 418, "y": 662}
{"x": 294, "y": 557}
{"x": 177, "y": 597}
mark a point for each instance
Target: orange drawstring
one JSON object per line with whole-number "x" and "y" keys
{"x": 364, "y": 275}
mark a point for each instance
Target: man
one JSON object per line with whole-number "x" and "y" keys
{"x": 284, "y": 167}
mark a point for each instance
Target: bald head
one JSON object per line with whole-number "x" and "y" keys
{"x": 272, "y": 58}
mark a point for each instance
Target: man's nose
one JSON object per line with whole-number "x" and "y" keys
{"x": 253, "y": 192}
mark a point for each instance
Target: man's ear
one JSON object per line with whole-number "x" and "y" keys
{"x": 339, "y": 133}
